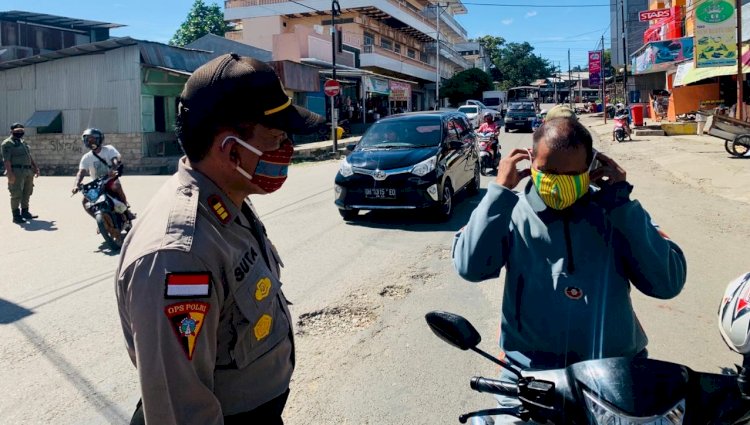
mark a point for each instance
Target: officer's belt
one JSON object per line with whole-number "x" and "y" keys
{"x": 23, "y": 167}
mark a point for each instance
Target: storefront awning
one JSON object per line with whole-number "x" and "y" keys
{"x": 687, "y": 73}
{"x": 42, "y": 118}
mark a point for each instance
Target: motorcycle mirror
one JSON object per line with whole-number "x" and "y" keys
{"x": 453, "y": 329}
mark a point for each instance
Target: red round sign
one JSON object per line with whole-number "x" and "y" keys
{"x": 331, "y": 88}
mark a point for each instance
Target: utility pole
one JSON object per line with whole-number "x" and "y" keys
{"x": 335, "y": 10}
{"x": 604, "y": 82}
{"x": 554, "y": 84}
{"x": 739, "y": 109}
{"x": 625, "y": 53}
{"x": 570, "y": 78}
{"x": 437, "y": 58}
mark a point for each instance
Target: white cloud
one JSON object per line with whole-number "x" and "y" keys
{"x": 531, "y": 14}
{"x": 507, "y": 21}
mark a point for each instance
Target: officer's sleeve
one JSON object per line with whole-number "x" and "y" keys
{"x": 480, "y": 249}
{"x": 6, "y": 147}
{"x": 653, "y": 262}
{"x": 173, "y": 311}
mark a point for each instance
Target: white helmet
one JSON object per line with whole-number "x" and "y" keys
{"x": 734, "y": 315}
{"x": 487, "y": 114}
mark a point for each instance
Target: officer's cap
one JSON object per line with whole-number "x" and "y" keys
{"x": 15, "y": 125}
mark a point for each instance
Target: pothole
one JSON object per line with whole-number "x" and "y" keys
{"x": 395, "y": 291}
{"x": 335, "y": 320}
{"x": 421, "y": 276}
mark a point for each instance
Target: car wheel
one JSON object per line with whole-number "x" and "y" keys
{"x": 445, "y": 209}
{"x": 473, "y": 187}
{"x": 349, "y": 215}
{"x": 506, "y": 128}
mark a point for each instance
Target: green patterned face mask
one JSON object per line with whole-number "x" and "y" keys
{"x": 559, "y": 191}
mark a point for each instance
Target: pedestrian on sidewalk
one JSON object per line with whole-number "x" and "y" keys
{"x": 198, "y": 285}
{"x": 21, "y": 170}
{"x": 700, "y": 120}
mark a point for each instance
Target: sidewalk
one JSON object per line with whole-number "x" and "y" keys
{"x": 321, "y": 150}
{"x": 700, "y": 161}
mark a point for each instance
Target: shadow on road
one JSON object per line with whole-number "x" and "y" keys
{"x": 106, "y": 250}
{"x": 35, "y": 225}
{"x": 11, "y": 312}
{"x": 421, "y": 220}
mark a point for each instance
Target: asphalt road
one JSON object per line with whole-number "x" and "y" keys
{"x": 360, "y": 291}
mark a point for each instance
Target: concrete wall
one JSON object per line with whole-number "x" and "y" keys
{"x": 60, "y": 154}
{"x": 259, "y": 32}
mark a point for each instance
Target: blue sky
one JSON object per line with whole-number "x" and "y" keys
{"x": 550, "y": 30}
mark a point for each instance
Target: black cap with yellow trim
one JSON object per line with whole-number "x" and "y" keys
{"x": 233, "y": 87}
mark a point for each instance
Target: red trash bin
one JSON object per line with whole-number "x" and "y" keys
{"x": 637, "y": 114}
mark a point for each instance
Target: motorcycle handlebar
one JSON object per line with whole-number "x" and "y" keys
{"x": 493, "y": 386}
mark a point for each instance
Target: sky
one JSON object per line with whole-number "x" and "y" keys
{"x": 551, "y": 30}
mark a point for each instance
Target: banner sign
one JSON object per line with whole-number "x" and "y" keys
{"x": 661, "y": 55}
{"x": 648, "y": 15}
{"x": 595, "y": 68}
{"x": 377, "y": 85}
{"x": 400, "y": 92}
{"x": 715, "y": 34}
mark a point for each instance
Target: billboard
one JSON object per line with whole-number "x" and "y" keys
{"x": 648, "y": 15}
{"x": 661, "y": 55}
{"x": 595, "y": 68}
{"x": 715, "y": 34}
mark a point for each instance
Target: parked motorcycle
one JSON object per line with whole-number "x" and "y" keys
{"x": 606, "y": 391}
{"x": 489, "y": 151}
{"x": 620, "y": 122}
{"x": 108, "y": 211}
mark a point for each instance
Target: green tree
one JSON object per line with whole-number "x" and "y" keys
{"x": 466, "y": 85}
{"x": 519, "y": 66}
{"x": 492, "y": 45}
{"x": 201, "y": 20}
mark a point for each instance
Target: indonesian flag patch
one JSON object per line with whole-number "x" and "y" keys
{"x": 188, "y": 285}
{"x": 186, "y": 320}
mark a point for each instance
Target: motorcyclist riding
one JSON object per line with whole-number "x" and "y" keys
{"x": 621, "y": 115}
{"x": 490, "y": 126}
{"x": 101, "y": 160}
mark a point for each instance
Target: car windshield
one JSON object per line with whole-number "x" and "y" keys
{"x": 468, "y": 109}
{"x": 402, "y": 133}
{"x": 492, "y": 101}
{"x": 521, "y": 107}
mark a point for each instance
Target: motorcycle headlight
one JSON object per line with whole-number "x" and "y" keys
{"x": 345, "y": 168}
{"x": 424, "y": 167}
{"x": 602, "y": 413}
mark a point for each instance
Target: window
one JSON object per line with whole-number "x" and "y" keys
{"x": 424, "y": 57}
{"x": 397, "y": 48}
{"x": 369, "y": 39}
{"x": 411, "y": 53}
{"x": 160, "y": 119}
{"x": 386, "y": 44}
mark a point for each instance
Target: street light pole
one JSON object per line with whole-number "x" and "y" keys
{"x": 624, "y": 53}
{"x": 335, "y": 10}
{"x": 437, "y": 58}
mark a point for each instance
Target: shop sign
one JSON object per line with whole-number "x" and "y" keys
{"x": 400, "y": 92}
{"x": 377, "y": 85}
{"x": 661, "y": 55}
{"x": 648, "y": 15}
{"x": 715, "y": 34}
{"x": 595, "y": 68}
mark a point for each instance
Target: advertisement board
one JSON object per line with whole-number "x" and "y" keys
{"x": 648, "y": 15}
{"x": 661, "y": 55}
{"x": 595, "y": 68}
{"x": 715, "y": 34}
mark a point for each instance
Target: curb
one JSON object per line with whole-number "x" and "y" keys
{"x": 321, "y": 151}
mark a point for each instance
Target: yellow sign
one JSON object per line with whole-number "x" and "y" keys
{"x": 263, "y": 327}
{"x": 262, "y": 288}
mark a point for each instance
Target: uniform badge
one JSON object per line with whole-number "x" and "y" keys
{"x": 263, "y": 327}
{"x": 262, "y": 288}
{"x": 186, "y": 320}
{"x": 573, "y": 293}
{"x": 219, "y": 209}
{"x": 188, "y": 285}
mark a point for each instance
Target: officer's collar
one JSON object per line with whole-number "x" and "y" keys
{"x": 219, "y": 206}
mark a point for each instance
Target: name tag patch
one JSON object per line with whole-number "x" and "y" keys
{"x": 188, "y": 285}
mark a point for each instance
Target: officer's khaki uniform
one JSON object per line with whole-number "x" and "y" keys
{"x": 17, "y": 152}
{"x": 234, "y": 350}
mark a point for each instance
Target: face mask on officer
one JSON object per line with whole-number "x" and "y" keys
{"x": 271, "y": 171}
{"x": 18, "y": 134}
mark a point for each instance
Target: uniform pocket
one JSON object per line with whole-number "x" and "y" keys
{"x": 263, "y": 323}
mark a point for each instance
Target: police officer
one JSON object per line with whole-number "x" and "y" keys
{"x": 198, "y": 284}
{"x": 21, "y": 170}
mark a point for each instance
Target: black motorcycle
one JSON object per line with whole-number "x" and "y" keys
{"x": 607, "y": 391}
{"x": 109, "y": 212}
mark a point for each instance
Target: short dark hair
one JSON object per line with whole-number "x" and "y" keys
{"x": 196, "y": 138}
{"x": 564, "y": 134}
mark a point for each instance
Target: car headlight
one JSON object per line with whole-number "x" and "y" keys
{"x": 345, "y": 168}
{"x": 424, "y": 167}
{"x": 602, "y": 413}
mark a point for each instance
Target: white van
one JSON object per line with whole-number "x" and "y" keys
{"x": 495, "y": 99}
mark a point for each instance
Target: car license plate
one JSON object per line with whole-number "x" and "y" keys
{"x": 380, "y": 193}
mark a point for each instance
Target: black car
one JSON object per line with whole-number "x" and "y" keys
{"x": 520, "y": 115}
{"x": 408, "y": 161}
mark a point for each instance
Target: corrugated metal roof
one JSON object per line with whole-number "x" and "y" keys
{"x": 220, "y": 45}
{"x": 42, "y": 118}
{"x": 57, "y": 21}
{"x": 81, "y": 49}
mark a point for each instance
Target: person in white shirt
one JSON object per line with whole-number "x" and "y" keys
{"x": 99, "y": 161}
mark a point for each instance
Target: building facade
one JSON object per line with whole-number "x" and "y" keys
{"x": 474, "y": 53}
{"x": 634, "y": 29}
{"x": 388, "y": 49}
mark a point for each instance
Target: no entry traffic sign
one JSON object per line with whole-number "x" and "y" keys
{"x": 332, "y": 88}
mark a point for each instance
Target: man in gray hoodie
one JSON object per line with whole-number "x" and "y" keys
{"x": 571, "y": 251}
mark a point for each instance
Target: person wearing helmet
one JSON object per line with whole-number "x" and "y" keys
{"x": 621, "y": 113}
{"x": 734, "y": 322}
{"x": 489, "y": 125}
{"x": 21, "y": 170}
{"x": 101, "y": 160}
